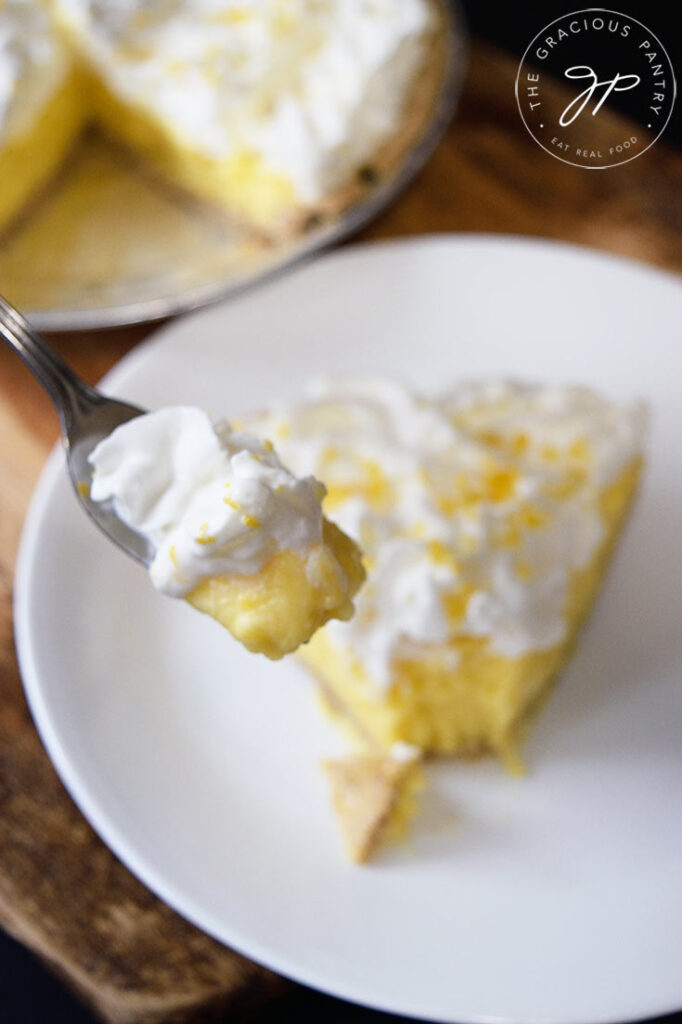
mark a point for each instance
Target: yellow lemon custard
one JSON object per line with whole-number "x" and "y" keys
{"x": 40, "y": 105}
{"x": 486, "y": 516}
{"x": 374, "y": 797}
{"x": 233, "y": 531}
{"x": 278, "y": 608}
{"x": 269, "y": 108}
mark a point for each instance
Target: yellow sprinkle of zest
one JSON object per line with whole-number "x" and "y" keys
{"x": 173, "y": 555}
{"x": 580, "y": 449}
{"x": 204, "y": 537}
{"x": 233, "y": 504}
{"x": 377, "y": 484}
{"x": 533, "y": 517}
{"x": 439, "y": 553}
{"x": 455, "y": 603}
{"x": 283, "y": 23}
{"x": 519, "y": 444}
{"x": 330, "y": 453}
{"x": 176, "y": 67}
{"x": 417, "y": 530}
{"x": 227, "y": 484}
{"x": 283, "y": 431}
{"x": 251, "y": 521}
{"x": 83, "y": 487}
{"x": 373, "y": 486}
{"x": 510, "y": 536}
{"x": 447, "y": 505}
{"x": 268, "y": 445}
{"x": 529, "y": 517}
{"x": 491, "y": 437}
{"x": 501, "y": 484}
{"x": 524, "y": 570}
{"x": 236, "y": 16}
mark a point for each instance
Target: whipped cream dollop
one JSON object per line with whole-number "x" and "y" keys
{"x": 404, "y": 753}
{"x": 472, "y": 508}
{"x": 311, "y": 86}
{"x": 212, "y": 500}
{"x": 33, "y": 63}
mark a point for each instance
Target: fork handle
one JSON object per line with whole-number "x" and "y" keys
{"x": 69, "y": 393}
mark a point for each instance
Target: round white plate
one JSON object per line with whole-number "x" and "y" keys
{"x": 554, "y": 898}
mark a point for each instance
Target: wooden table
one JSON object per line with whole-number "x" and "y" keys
{"x": 61, "y": 891}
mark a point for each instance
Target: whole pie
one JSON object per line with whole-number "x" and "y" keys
{"x": 278, "y": 111}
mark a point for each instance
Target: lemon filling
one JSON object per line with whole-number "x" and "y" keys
{"x": 280, "y": 607}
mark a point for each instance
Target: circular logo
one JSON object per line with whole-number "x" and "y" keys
{"x": 595, "y": 88}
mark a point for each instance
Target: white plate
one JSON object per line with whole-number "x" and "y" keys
{"x": 554, "y": 898}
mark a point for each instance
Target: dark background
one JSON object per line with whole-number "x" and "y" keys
{"x": 513, "y": 26}
{"x": 28, "y": 992}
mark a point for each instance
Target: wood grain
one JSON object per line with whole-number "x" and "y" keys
{"x": 489, "y": 175}
{"x": 61, "y": 891}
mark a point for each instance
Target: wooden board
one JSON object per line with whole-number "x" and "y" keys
{"x": 61, "y": 891}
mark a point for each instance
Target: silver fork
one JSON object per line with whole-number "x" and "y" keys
{"x": 85, "y": 416}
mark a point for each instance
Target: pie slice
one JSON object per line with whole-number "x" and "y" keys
{"x": 486, "y": 516}
{"x": 375, "y": 797}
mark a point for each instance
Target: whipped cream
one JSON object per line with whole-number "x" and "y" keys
{"x": 404, "y": 753}
{"x": 213, "y": 501}
{"x": 33, "y": 63}
{"x": 311, "y": 86}
{"x": 472, "y": 508}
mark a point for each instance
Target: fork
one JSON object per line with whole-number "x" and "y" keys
{"x": 86, "y": 416}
